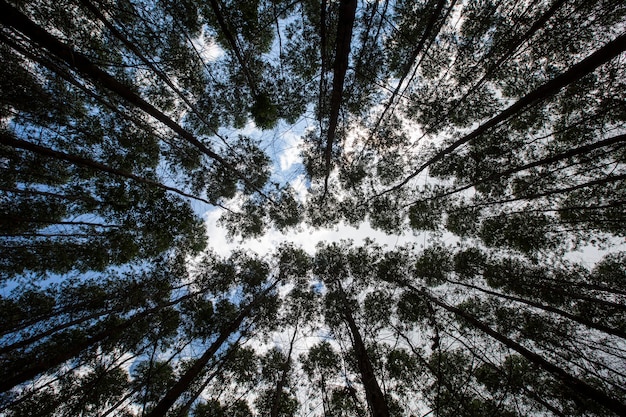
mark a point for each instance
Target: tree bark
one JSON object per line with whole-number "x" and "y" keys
{"x": 373, "y": 393}
{"x": 347, "y": 12}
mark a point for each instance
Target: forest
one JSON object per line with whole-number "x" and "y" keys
{"x": 492, "y": 133}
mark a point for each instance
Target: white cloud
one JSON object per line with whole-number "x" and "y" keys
{"x": 306, "y": 237}
{"x": 299, "y": 184}
{"x": 289, "y": 157}
{"x": 208, "y": 49}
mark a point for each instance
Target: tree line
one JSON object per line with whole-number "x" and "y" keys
{"x": 494, "y": 128}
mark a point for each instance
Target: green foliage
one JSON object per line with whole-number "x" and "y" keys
{"x": 469, "y": 263}
{"x": 264, "y": 112}
{"x": 412, "y": 309}
{"x": 287, "y": 212}
{"x": 320, "y": 360}
{"x": 433, "y": 265}
{"x": 377, "y": 307}
{"x": 293, "y": 263}
{"x": 488, "y": 135}
{"x": 213, "y": 408}
{"x": 527, "y": 233}
{"x": 425, "y": 216}
{"x": 152, "y": 379}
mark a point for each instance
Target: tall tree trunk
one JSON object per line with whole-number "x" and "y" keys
{"x": 232, "y": 41}
{"x": 601, "y": 181}
{"x": 199, "y": 364}
{"x": 323, "y": 82}
{"x": 347, "y": 12}
{"x": 35, "y": 338}
{"x": 192, "y": 373}
{"x": 580, "y": 150}
{"x": 283, "y": 377}
{"x": 539, "y": 23}
{"x": 89, "y": 163}
{"x": 153, "y": 67}
{"x": 577, "y": 295}
{"x": 373, "y": 393}
{"x": 73, "y": 198}
{"x": 184, "y": 410}
{"x": 38, "y": 366}
{"x": 436, "y": 14}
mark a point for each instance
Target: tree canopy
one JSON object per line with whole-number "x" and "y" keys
{"x": 492, "y": 132}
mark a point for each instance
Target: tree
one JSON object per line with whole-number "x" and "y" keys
{"x": 489, "y": 134}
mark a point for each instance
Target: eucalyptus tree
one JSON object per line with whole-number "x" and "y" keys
{"x": 174, "y": 318}
{"x": 358, "y": 311}
{"x": 559, "y": 343}
{"x": 496, "y": 127}
{"x": 86, "y": 318}
{"x": 524, "y": 119}
{"x": 89, "y": 135}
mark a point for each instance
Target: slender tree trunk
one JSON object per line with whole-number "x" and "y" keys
{"x": 586, "y": 285}
{"x": 531, "y": 394}
{"x": 416, "y": 51}
{"x": 581, "y": 150}
{"x": 601, "y": 181}
{"x": 373, "y": 393}
{"x": 283, "y": 377}
{"x": 574, "y": 295}
{"x": 190, "y": 375}
{"x": 434, "y": 371}
{"x": 138, "y": 388}
{"x": 39, "y": 366}
{"x": 18, "y": 219}
{"x": 539, "y": 23}
{"x": 15, "y": 326}
{"x": 83, "y": 198}
{"x": 184, "y": 410}
{"x": 347, "y": 12}
{"x": 131, "y": 46}
{"x": 234, "y": 45}
{"x": 30, "y": 340}
{"x": 88, "y": 163}
{"x": 323, "y": 82}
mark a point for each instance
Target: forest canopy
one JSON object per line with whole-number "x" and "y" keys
{"x": 492, "y": 132}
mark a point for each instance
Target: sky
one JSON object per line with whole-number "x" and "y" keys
{"x": 283, "y": 144}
